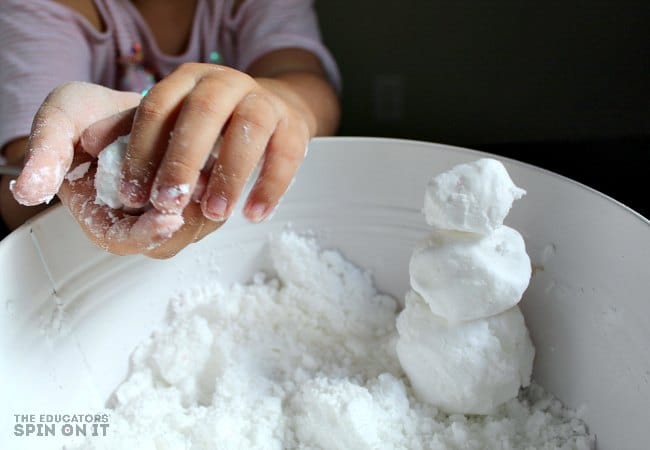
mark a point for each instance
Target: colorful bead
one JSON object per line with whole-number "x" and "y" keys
{"x": 136, "y": 76}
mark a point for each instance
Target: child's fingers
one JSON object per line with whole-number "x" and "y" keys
{"x": 116, "y": 231}
{"x": 49, "y": 154}
{"x": 152, "y": 129}
{"x": 284, "y": 154}
{"x": 244, "y": 141}
{"x": 57, "y": 127}
{"x": 208, "y": 227}
{"x": 143, "y": 233}
{"x": 153, "y": 122}
{"x": 123, "y": 234}
{"x": 203, "y": 114}
{"x": 201, "y": 184}
{"x": 195, "y": 228}
{"x": 106, "y": 131}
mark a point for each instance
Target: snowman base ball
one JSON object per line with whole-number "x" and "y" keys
{"x": 465, "y": 367}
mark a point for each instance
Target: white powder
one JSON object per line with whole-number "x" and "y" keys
{"x": 462, "y": 341}
{"x": 465, "y": 276}
{"x": 471, "y": 197}
{"x": 110, "y": 163}
{"x": 78, "y": 172}
{"x": 306, "y": 360}
{"x": 108, "y": 176}
{"x": 107, "y": 185}
{"x": 465, "y": 367}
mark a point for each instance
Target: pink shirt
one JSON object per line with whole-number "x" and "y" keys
{"x": 44, "y": 44}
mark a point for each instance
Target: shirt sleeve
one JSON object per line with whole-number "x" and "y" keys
{"x": 43, "y": 46}
{"x": 262, "y": 26}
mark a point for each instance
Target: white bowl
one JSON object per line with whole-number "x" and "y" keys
{"x": 587, "y": 307}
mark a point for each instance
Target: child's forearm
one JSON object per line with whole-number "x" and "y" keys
{"x": 300, "y": 76}
{"x": 318, "y": 97}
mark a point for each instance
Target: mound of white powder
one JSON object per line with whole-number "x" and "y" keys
{"x": 306, "y": 360}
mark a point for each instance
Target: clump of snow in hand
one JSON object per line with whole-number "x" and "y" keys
{"x": 108, "y": 176}
{"x": 78, "y": 172}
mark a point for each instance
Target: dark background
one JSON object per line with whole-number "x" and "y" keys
{"x": 564, "y": 85}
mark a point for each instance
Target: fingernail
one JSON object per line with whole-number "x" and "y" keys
{"x": 257, "y": 212}
{"x": 132, "y": 194}
{"x": 170, "y": 199}
{"x": 215, "y": 208}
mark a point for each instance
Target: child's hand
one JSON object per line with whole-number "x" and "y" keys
{"x": 57, "y": 130}
{"x": 151, "y": 233}
{"x": 173, "y": 132}
{"x": 178, "y": 123}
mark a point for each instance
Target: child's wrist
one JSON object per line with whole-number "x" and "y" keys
{"x": 284, "y": 89}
